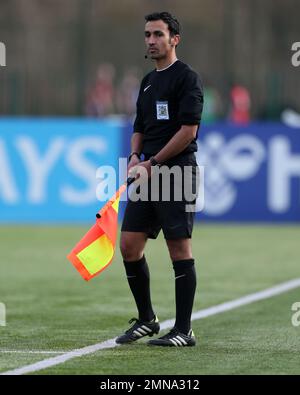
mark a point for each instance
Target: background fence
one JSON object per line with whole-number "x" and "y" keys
{"x": 55, "y": 47}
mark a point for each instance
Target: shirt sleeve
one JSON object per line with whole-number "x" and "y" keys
{"x": 138, "y": 125}
{"x": 190, "y": 96}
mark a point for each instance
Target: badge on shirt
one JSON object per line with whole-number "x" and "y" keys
{"x": 162, "y": 110}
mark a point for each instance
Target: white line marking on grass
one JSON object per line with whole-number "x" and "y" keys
{"x": 244, "y": 300}
{"x": 31, "y": 352}
{"x": 233, "y": 304}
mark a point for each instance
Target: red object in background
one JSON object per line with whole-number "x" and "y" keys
{"x": 241, "y": 103}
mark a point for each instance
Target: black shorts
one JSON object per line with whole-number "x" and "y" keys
{"x": 175, "y": 216}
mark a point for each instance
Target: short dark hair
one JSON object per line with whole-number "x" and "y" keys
{"x": 171, "y": 21}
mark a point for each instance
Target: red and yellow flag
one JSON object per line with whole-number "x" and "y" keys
{"x": 95, "y": 250}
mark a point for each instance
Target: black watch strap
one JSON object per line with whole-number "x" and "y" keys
{"x": 153, "y": 161}
{"x": 134, "y": 153}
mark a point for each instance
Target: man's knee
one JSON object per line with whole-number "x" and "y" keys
{"x": 180, "y": 249}
{"x": 132, "y": 246}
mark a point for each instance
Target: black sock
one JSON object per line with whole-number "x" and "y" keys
{"x": 185, "y": 287}
{"x": 139, "y": 281}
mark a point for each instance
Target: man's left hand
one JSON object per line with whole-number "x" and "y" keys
{"x": 143, "y": 170}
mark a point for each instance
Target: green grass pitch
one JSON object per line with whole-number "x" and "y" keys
{"x": 51, "y": 308}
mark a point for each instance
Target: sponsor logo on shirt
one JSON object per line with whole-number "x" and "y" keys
{"x": 147, "y": 87}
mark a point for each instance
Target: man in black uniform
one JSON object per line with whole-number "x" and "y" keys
{"x": 169, "y": 108}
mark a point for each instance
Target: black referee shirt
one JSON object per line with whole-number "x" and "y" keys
{"x": 167, "y": 100}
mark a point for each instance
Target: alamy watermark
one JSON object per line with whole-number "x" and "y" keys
{"x": 296, "y": 315}
{"x": 2, "y": 314}
{"x": 2, "y": 54}
{"x": 166, "y": 184}
{"x": 295, "y": 59}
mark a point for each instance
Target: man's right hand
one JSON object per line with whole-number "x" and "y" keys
{"x": 133, "y": 162}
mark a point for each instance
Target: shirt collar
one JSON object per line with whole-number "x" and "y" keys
{"x": 165, "y": 68}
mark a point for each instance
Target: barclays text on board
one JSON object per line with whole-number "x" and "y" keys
{"x": 48, "y": 169}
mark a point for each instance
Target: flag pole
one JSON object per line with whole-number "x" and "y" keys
{"x": 126, "y": 184}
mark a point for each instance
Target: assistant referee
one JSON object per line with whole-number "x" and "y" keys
{"x": 169, "y": 109}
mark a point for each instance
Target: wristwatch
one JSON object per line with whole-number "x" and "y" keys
{"x": 134, "y": 153}
{"x": 153, "y": 161}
